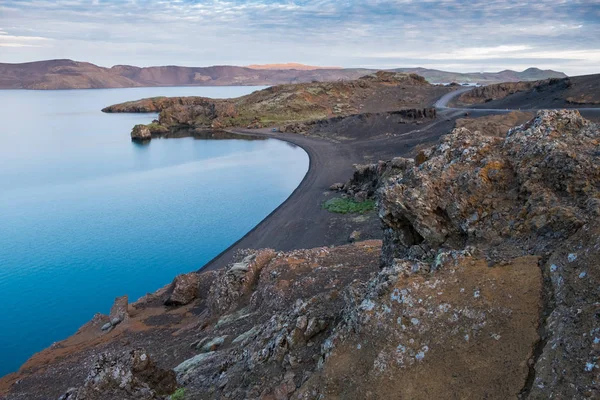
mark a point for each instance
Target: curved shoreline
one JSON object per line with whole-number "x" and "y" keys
{"x": 339, "y": 158}
{"x": 219, "y": 260}
{"x": 287, "y": 226}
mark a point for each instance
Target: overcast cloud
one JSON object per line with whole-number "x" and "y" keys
{"x": 445, "y": 34}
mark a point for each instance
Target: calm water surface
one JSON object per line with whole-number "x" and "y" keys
{"x": 86, "y": 215}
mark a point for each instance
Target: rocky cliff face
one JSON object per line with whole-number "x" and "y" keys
{"x": 577, "y": 91}
{"x": 534, "y": 192}
{"x": 485, "y": 94}
{"x": 485, "y": 286}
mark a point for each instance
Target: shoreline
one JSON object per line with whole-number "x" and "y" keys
{"x": 261, "y": 235}
{"x": 300, "y": 222}
{"x": 217, "y": 261}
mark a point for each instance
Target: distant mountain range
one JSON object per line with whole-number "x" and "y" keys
{"x": 69, "y": 74}
{"x": 302, "y": 67}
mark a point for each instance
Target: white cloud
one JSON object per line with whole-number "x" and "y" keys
{"x": 558, "y": 34}
{"x": 7, "y": 40}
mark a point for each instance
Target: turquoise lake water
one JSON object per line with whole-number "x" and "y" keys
{"x": 86, "y": 215}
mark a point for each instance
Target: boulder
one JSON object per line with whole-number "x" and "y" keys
{"x": 118, "y": 311}
{"x": 141, "y": 133}
{"x": 183, "y": 290}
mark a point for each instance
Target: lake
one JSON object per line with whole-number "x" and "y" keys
{"x": 86, "y": 215}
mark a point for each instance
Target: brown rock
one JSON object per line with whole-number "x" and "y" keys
{"x": 141, "y": 133}
{"x": 183, "y": 290}
{"x": 464, "y": 332}
{"x": 119, "y": 310}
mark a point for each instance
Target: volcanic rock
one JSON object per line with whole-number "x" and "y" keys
{"x": 183, "y": 290}
{"x": 119, "y": 310}
{"x": 141, "y": 133}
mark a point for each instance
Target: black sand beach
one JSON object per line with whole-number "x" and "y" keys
{"x": 301, "y": 222}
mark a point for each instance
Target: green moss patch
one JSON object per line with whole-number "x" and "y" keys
{"x": 342, "y": 205}
{"x": 179, "y": 394}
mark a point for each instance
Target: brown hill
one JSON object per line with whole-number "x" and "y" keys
{"x": 297, "y": 66}
{"x": 380, "y": 92}
{"x": 68, "y": 74}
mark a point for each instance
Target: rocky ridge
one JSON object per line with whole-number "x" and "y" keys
{"x": 485, "y": 94}
{"x": 573, "y": 92}
{"x": 485, "y": 286}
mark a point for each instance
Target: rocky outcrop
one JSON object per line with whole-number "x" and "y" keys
{"x": 183, "y": 290}
{"x": 577, "y": 91}
{"x": 367, "y": 178}
{"x": 491, "y": 191}
{"x": 141, "y": 133}
{"x": 498, "y": 91}
{"x": 238, "y": 281}
{"x": 404, "y": 95}
{"x": 536, "y": 192}
{"x": 128, "y": 375}
{"x": 485, "y": 94}
{"x": 118, "y": 313}
{"x": 395, "y": 77}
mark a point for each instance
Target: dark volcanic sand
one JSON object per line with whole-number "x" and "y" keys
{"x": 300, "y": 222}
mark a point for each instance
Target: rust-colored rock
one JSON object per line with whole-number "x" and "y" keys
{"x": 183, "y": 290}
{"x": 466, "y": 331}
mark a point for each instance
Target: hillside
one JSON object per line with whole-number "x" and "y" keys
{"x": 574, "y": 92}
{"x": 68, "y": 74}
{"x": 484, "y": 286}
{"x": 297, "y": 66}
{"x": 380, "y": 92}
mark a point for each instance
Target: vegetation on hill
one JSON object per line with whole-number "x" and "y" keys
{"x": 379, "y": 92}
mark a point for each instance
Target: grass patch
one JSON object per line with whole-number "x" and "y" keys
{"x": 179, "y": 394}
{"x": 341, "y": 205}
{"x": 156, "y": 128}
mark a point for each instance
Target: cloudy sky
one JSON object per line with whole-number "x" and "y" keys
{"x": 458, "y": 35}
